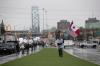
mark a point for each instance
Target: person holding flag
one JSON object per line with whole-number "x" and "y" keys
{"x": 60, "y": 43}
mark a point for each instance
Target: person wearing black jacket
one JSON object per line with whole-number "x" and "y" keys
{"x": 17, "y": 48}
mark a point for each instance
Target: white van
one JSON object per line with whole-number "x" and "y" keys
{"x": 68, "y": 43}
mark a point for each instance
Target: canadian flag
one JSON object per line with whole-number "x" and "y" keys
{"x": 73, "y": 30}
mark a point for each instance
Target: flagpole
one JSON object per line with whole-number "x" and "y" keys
{"x": 74, "y": 38}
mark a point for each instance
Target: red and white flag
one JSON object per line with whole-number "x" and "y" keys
{"x": 73, "y": 30}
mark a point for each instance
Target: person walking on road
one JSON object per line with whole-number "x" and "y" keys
{"x": 21, "y": 44}
{"x": 30, "y": 41}
{"x": 26, "y": 44}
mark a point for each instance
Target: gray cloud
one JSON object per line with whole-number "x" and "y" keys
{"x": 18, "y": 12}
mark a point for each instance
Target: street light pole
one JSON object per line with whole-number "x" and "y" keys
{"x": 46, "y": 19}
{"x": 43, "y": 20}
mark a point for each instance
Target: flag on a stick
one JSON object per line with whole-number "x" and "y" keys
{"x": 73, "y": 30}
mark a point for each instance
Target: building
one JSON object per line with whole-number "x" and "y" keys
{"x": 92, "y": 23}
{"x": 2, "y": 28}
{"x": 92, "y": 28}
{"x": 62, "y": 25}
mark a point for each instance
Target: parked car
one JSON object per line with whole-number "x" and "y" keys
{"x": 88, "y": 44}
{"x": 8, "y": 48}
{"x": 8, "y": 44}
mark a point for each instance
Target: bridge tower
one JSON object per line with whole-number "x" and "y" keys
{"x": 35, "y": 20}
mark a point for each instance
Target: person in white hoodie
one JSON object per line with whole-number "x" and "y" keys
{"x": 30, "y": 41}
{"x": 60, "y": 44}
{"x": 26, "y": 44}
{"x": 21, "y": 44}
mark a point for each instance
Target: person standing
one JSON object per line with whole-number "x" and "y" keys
{"x": 17, "y": 48}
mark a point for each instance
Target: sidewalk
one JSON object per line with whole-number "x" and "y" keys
{"x": 11, "y": 57}
{"x": 7, "y": 58}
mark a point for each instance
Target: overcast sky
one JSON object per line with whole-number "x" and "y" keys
{"x": 18, "y": 12}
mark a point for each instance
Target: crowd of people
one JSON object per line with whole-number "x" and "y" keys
{"x": 25, "y": 44}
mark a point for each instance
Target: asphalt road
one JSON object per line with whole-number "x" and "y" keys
{"x": 89, "y": 54}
